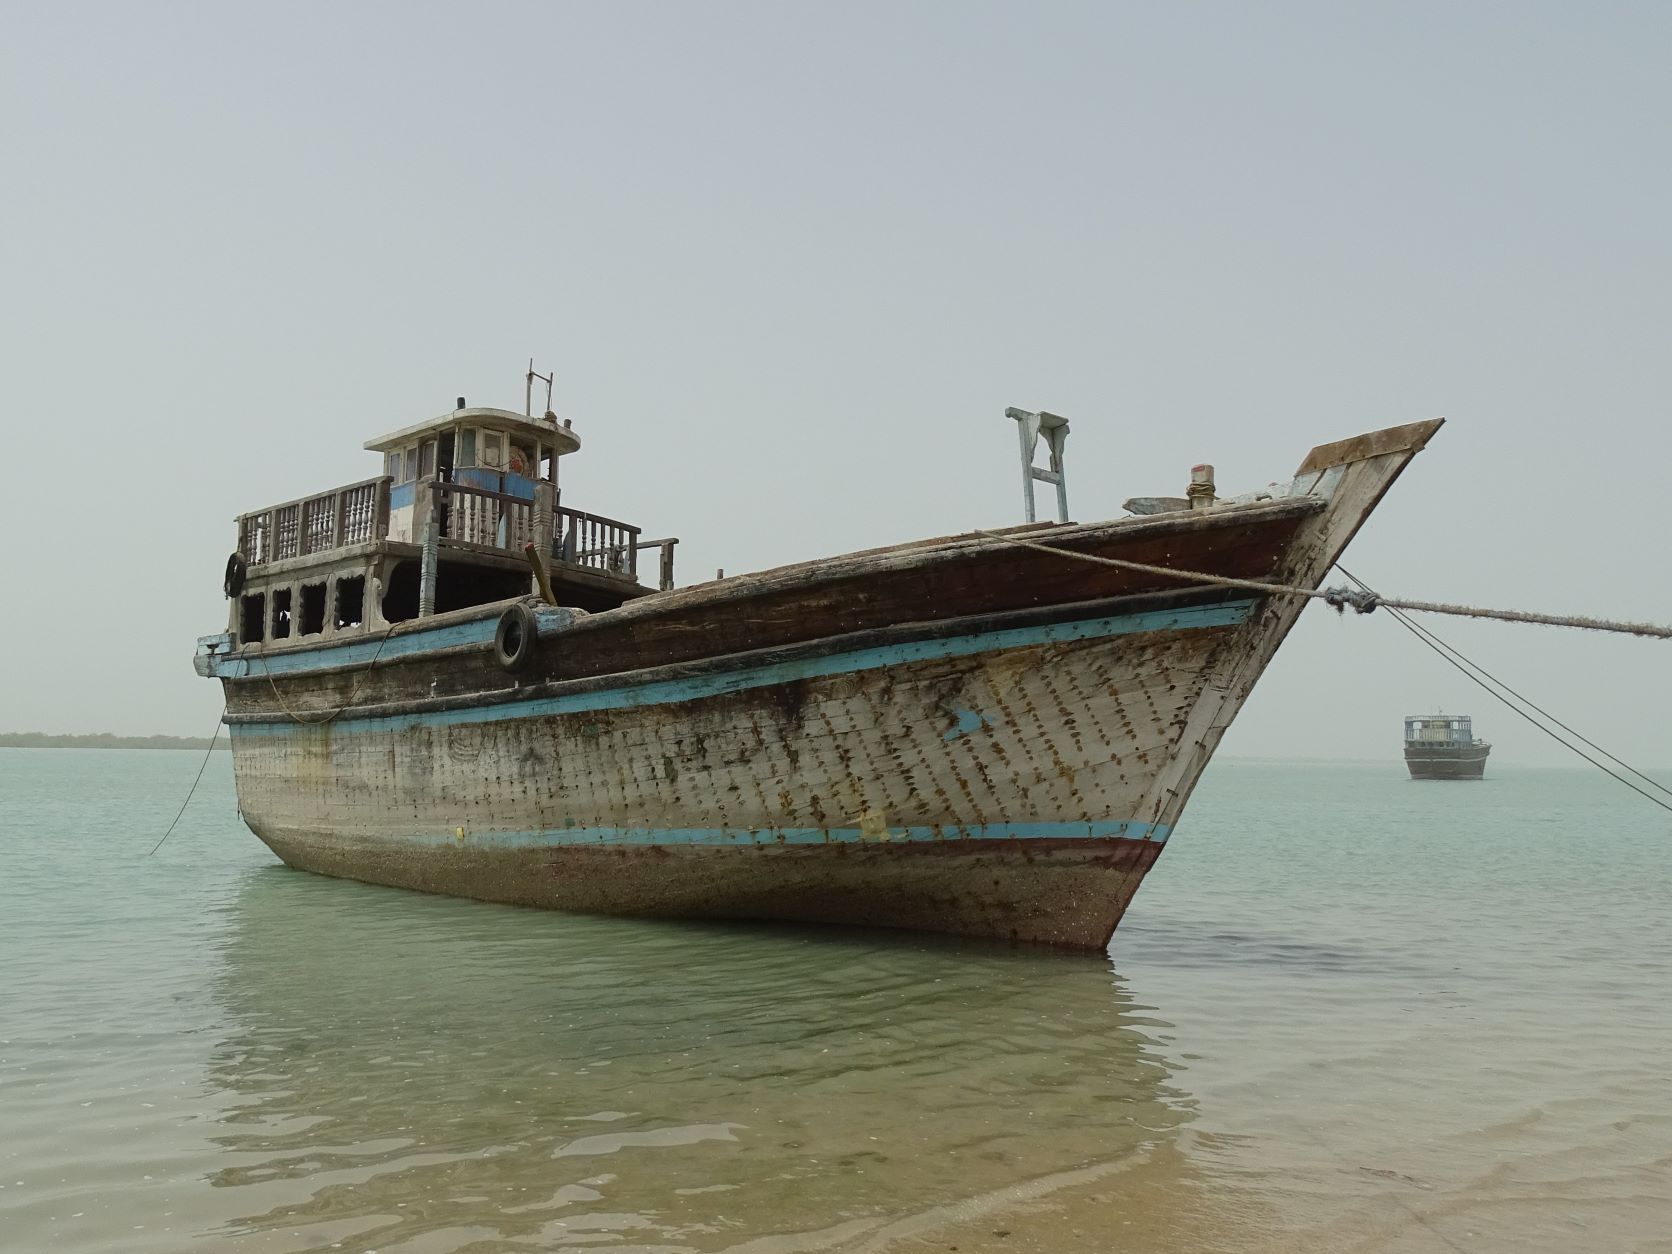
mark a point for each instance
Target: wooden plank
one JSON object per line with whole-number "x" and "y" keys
{"x": 1410, "y": 438}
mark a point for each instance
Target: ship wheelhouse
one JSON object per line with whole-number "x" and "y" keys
{"x": 446, "y": 526}
{"x": 1439, "y": 731}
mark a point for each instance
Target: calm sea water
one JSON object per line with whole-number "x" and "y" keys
{"x": 1347, "y": 1012}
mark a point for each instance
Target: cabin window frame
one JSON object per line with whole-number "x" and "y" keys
{"x": 334, "y": 615}
{"x": 252, "y": 610}
{"x": 309, "y": 611}
{"x": 275, "y": 609}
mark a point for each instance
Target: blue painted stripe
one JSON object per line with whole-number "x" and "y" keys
{"x": 402, "y": 495}
{"x": 743, "y": 837}
{"x": 697, "y": 687}
{"x": 402, "y": 644}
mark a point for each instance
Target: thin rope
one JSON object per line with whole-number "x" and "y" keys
{"x": 1464, "y": 664}
{"x": 193, "y": 789}
{"x": 353, "y": 692}
{"x": 1341, "y": 598}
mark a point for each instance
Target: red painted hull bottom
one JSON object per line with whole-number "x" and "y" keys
{"x": 1064, "y": 892}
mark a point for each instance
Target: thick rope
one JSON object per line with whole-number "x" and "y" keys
{"x": 353, "y": 692}
{"x": 1363, "y": 601}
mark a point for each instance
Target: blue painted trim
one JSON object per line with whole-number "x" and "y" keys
{"x": 476, "y": 477}
{"x": 362, "y": 650}
{"x": 697, "y": 687}
{"x": 402, "y": 495}
{"x": 548, "y": 621}
{"x": 567, "y": 837}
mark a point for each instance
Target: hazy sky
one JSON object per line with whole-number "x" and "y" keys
{"x": 791, "y": 262}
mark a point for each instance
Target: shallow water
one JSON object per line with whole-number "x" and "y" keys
{"x": 1346, "y": 1012}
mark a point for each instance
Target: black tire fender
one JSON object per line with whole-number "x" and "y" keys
{"x": 236, "y": 568}
{"x": 515, "y": 637}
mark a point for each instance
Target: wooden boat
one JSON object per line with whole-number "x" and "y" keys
{"x": 958, "y": 734}
{"x": 1443, "y": 746}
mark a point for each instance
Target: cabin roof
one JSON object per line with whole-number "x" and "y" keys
{"x": 560, "y": 437}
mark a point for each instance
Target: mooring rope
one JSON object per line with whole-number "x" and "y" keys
{"x": 1363, "y": 601}
{"x": 353, "y": 692}
{"x": 1485, "y": 680}
{"x": 193, "y": 790}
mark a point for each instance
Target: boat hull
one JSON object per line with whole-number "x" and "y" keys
{"x": 997, "y": 783}
{"x": 1468, "y": 762}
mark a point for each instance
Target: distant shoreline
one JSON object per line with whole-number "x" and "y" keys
{"x": 104, "y": 740}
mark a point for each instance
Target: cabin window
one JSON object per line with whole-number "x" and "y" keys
{"x": 466, "y": 453}
{"x": 457, "y": 586}
{"x": 426, "y": 459}
{"x": 392, "y": 465}
{"x": 281, "y": 613}
{"x": 546, "y": 460}
{"x": 252, "y": 613}
{"x": 520, "y": 461}
{"x": 313, "y": 609}
{"x": 411, "y": 470}
{"x": 351, "y": 601}
{"x": 492, "y": 443}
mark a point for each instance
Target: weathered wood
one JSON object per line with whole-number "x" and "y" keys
{"x": 537, "y": 564}
{"x": 664, "y": 560}
{"x": 965, "y": 577}
{"x": 311, "y": 525}
{"x": 593, "y": 540}
{"x": 1408, "y": 439}
{"x": 427, "y": 575}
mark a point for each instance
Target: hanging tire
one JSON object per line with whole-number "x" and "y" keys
{"x": 514, "y": 637}
{"x": 236, "y": 568}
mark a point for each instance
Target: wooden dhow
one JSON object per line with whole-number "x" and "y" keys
{"x": 960, "y": 734}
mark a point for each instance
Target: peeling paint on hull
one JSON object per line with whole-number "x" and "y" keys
{"x": 834, "y": 796}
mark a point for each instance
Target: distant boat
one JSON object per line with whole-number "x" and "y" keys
{"x": 1443, "y": 746}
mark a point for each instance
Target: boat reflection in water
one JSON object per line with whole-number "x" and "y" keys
{"x": 420, "y": 1070}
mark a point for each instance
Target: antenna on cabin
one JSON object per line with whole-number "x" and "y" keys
{"x": 528, "y": 392}
{"x": 1029, "y": 427}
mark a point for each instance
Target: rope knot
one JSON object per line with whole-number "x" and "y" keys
{"x": 1339, "y": 599}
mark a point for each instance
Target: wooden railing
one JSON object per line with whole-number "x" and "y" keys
{"x": 595, "y": 541}
{"x": 475, "y": 517}
{"x": 494, "y": 520}
{"x": 664, "y": 560}
{"x": 316, "y": 524}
